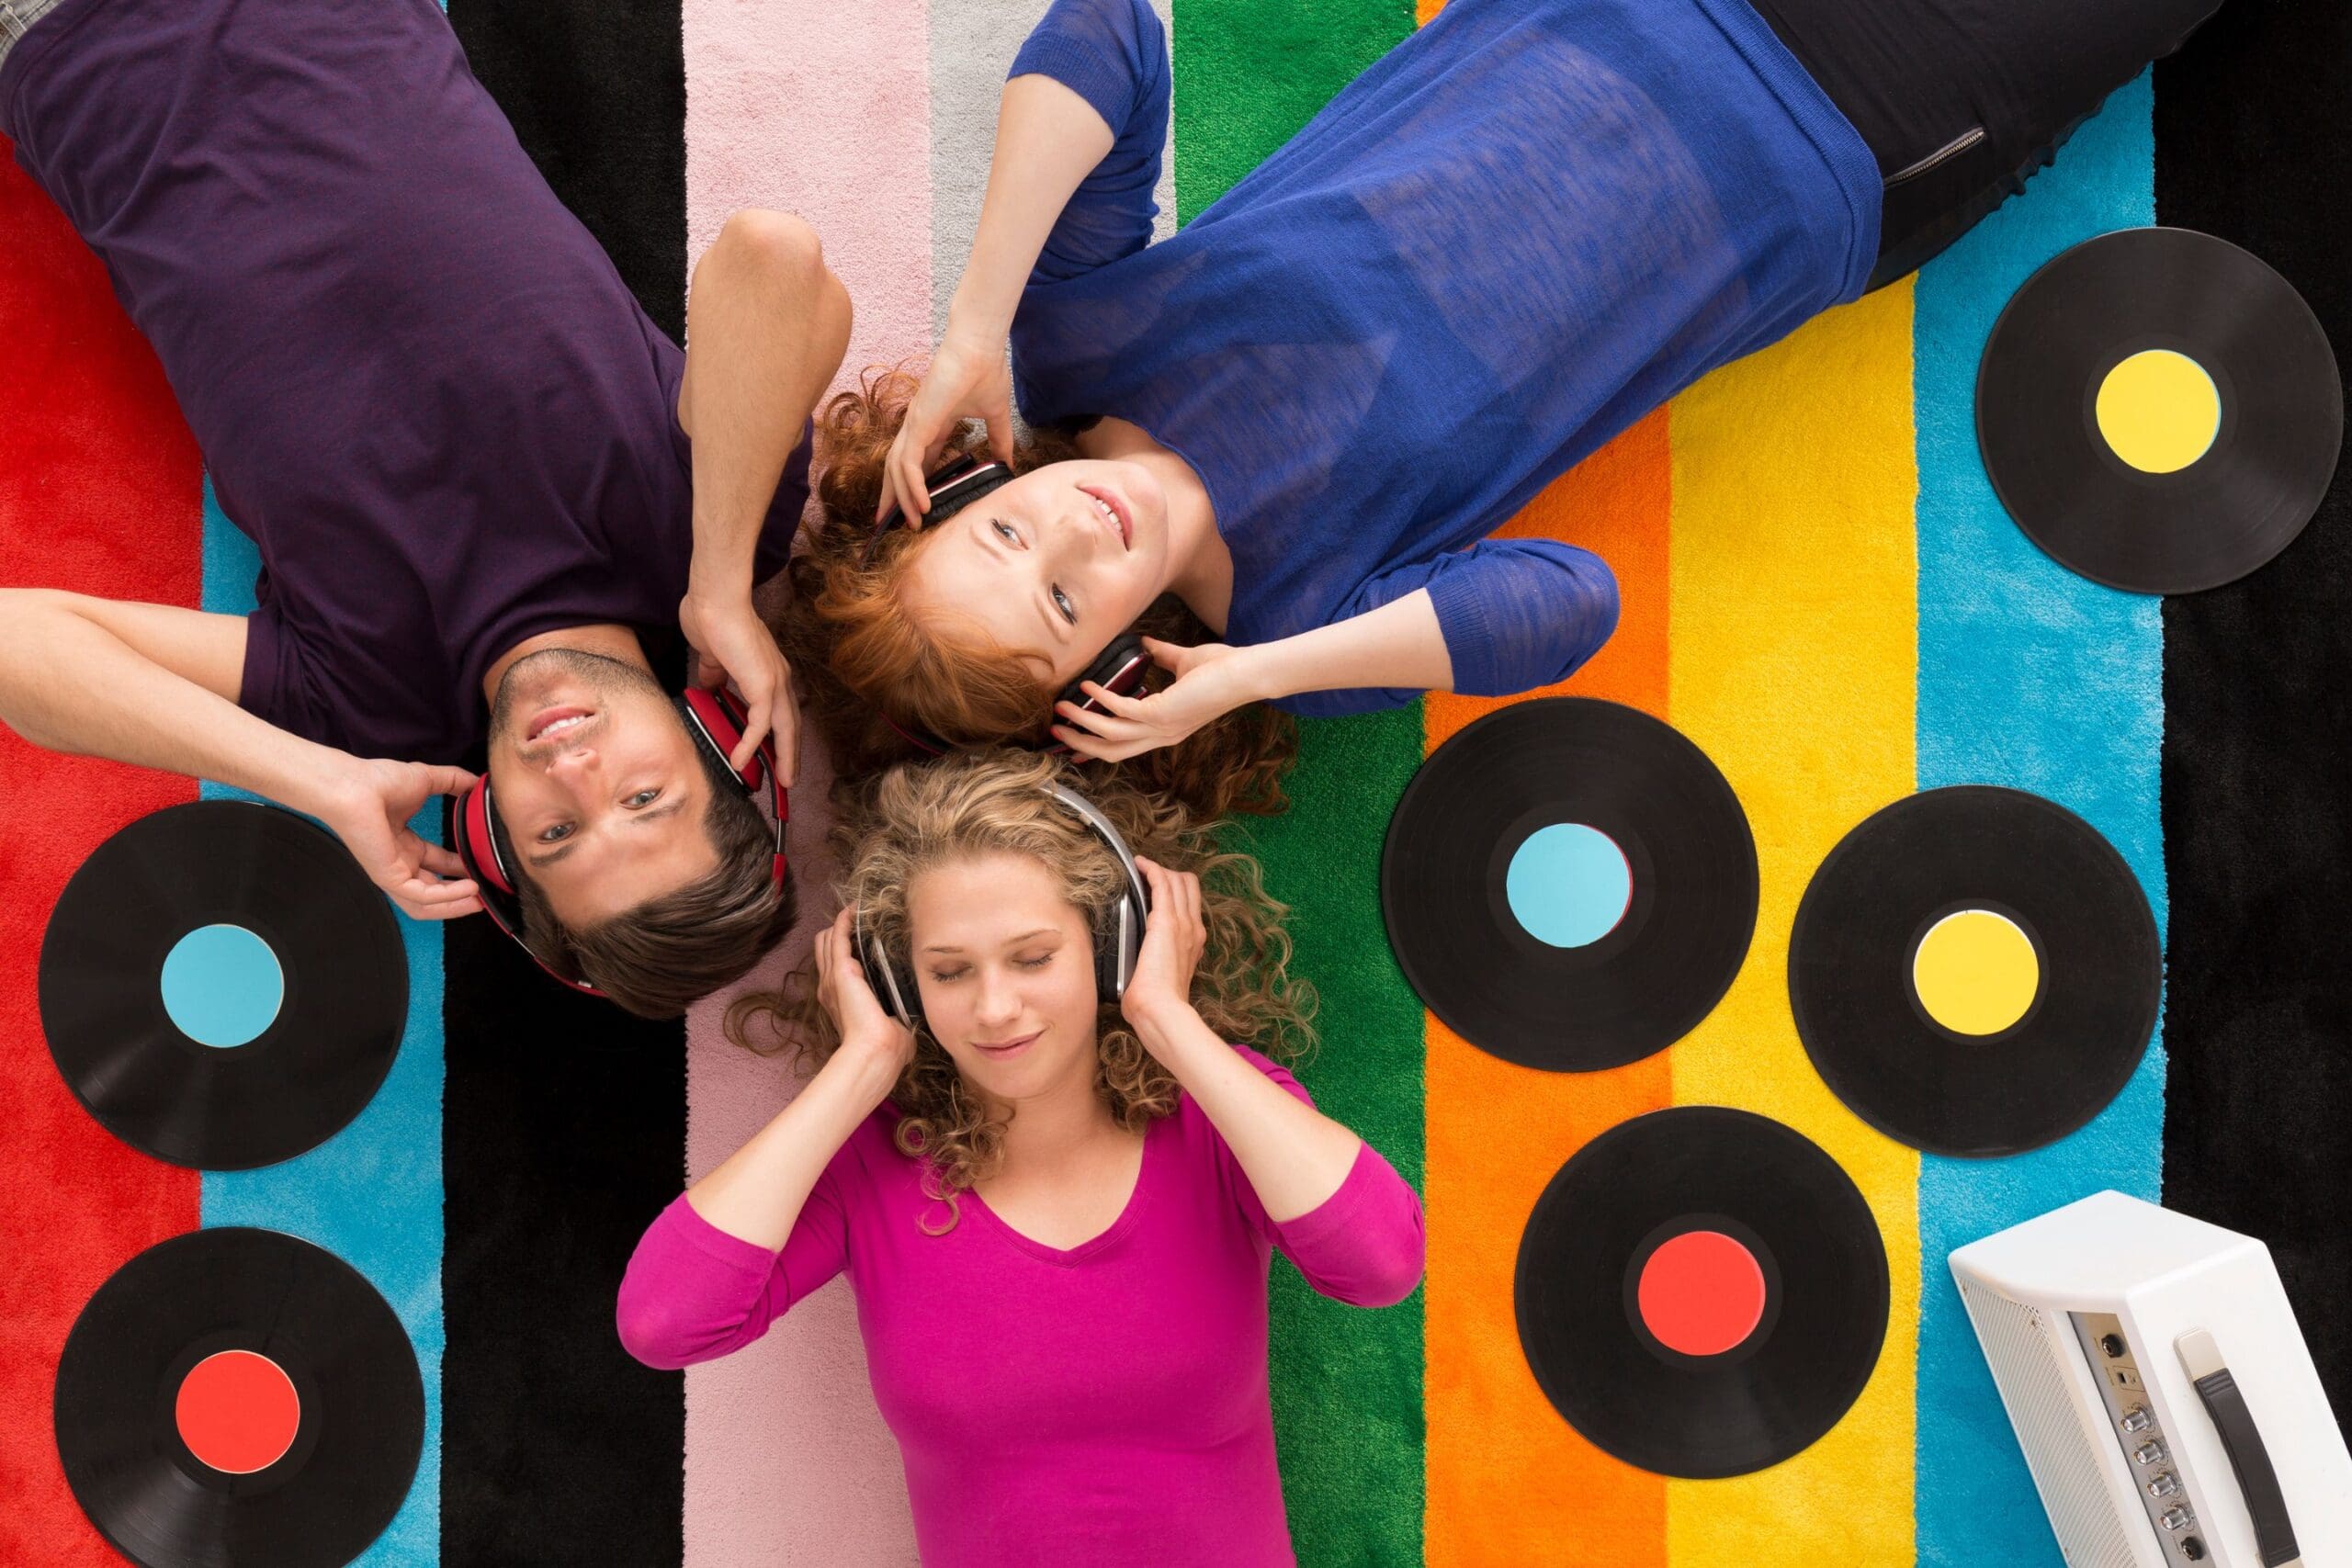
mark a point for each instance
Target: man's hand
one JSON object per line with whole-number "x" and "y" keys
{"x": 369, "y": 803}
{"x": 968, "y": 378}
{"x": 730, "y": 643}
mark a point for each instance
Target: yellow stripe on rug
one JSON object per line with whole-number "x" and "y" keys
{"x": 1792, "y": 656}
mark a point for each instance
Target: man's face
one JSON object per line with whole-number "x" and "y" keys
{"x": 597, "y": 784}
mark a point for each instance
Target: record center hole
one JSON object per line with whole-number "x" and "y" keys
{"x": 2159, "y": 410}
{"x": 1701, "y": 1293}
{"x": 222, "y": 985}
{"x": 1976, "y": 972}
{"x": 237, "y": 1412}
{"x": 1568, "y": 884}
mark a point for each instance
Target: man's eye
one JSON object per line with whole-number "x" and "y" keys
{"x": 643, "y": 798}
{"x": 1004, "y": 531}
{"x": 1062, "y": 602}
{"x": 556, "y": 834}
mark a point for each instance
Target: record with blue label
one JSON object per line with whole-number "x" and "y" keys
{"x": 1569, "y": 884}
{"x": 222, "y": 986}
{"x": 237, "y": 1398}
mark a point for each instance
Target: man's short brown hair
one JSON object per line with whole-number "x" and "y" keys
{"x": 668, "y": 952}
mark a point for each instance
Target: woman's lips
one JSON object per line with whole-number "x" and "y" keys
{"x": 1119, "y": 512}
{"x": 1006, "y": 1049}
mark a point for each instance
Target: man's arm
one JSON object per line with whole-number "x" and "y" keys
{"x": 156, "y": 685}
{"x": 766, "y": 326}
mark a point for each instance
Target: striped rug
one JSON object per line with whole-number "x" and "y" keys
{"x": 1820, "y": 590}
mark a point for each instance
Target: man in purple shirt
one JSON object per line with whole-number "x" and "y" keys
{"x": 485, "y": 487}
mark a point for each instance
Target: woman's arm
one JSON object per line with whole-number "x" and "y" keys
{"x": 766, "y": 326}
{"x": 1085, "y": 110}
{"x": 155, "y": 685}
{"x": 756, "y": 1192}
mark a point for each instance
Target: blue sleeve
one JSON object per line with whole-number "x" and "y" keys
{"x": 1112, "y": 53}
{"x": 1515, "y": 613}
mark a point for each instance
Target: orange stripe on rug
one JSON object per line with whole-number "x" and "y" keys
{"x": 1510, "y": 1481}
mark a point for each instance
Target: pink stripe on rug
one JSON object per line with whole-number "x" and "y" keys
{"x": 823, "y": 110}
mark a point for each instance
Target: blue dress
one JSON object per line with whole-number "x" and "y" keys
{"x": 1519, "y": 231}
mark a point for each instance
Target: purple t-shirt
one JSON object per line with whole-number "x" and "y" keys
{"x": 1105, "y": 1403}
{"x": 418, "y": 382}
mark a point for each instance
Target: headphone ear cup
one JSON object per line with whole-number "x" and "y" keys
{"x": 893, "y": 986}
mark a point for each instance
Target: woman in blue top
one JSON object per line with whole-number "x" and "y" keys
{"x": 1296, "y": 421}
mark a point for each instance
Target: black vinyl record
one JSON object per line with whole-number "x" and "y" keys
{"x": 1787, "y": 1246}
{"x": 122, "y": 1407}
{"x": 2087, "y": 981}
{"x": 334, "y": 1033}
{"x": 1689, "y": 869}
{"x": 2120, "y": 296}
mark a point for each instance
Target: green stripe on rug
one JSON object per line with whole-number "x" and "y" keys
{"x": 1249, "y": 74}
{"x": 1346, "y": 1383}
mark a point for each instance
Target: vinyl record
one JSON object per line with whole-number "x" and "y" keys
{"x": 1701, "y": 1292}
{"x": 2159, "y": 410}
{"x": 235, "y": 1398}
{"x": 1975, "y": 971}
{"x": 222, "y": 986}
{"x": 1569, "y": 884}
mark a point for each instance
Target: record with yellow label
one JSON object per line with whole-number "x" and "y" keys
{"x": 2159, "y": 410}
{"x": 1975, "y": 971}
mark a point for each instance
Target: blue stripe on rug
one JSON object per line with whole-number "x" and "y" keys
{"x": 2031, "y": 677}
{"x": 371, "y": 1194}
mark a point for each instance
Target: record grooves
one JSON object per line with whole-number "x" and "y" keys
{"x": 290, "y": 884}
{"x": 324, "y": 1490}
{"x": 2264, "y": 387}
{"x": 1774, "y": 1284}
{"x": 1602, "y": 829}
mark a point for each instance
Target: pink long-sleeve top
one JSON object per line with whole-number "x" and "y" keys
{"x": 1101, "y": 1404}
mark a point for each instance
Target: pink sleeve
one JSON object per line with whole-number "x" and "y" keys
{"x": 1365, "y": 1244}
{"x": 693, "y": 1293}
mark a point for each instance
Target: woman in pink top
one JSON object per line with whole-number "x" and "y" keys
{"x": 1057, "y": 1208}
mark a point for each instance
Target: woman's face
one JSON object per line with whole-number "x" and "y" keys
{"x": 1053, "y": 564}
{"x": 1006, "y": 969}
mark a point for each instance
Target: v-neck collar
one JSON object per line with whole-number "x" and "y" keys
{"x": 1071, "y": 1256}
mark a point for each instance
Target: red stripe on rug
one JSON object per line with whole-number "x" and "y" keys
{"x": 100, "y": 491}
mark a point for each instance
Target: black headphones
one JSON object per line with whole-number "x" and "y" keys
{"x": 1118, "y": 936}
{"x": 955, "y": 484}
{"x": 715, "y": 718}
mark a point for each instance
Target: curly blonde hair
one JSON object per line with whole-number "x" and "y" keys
{"x": 916, "y": 816}
{"x": 872, "y": 674}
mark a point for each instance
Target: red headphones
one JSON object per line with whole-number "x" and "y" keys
{"x": 1120, "y": 667}
{"x": 715, "y": 720}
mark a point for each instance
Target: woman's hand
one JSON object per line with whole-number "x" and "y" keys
{"x": 1211, "y": 679}
{"x": 731, "y": 643}
{"x": 369, "y": 803}
{"x": 869, "y": 1033}
{"x": 1174, "y": 937}
{"x": 968, "y": 378}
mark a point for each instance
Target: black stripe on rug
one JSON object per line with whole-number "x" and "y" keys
{"x": 565, "y": 1121}
{"x": 2257, "y": 752}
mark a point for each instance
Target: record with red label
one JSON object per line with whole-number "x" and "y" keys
{"x": 1701, "y": 1292}
{"x": 1569, "y": 884}
{"x": 236, "y": 1398}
